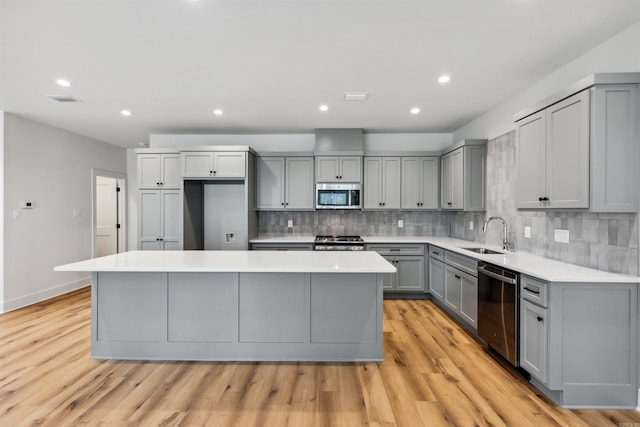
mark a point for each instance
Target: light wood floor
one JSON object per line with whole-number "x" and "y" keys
{"x": 434, "y": 374}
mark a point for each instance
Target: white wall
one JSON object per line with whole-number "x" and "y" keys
{"x": 51, "y": 168}
{"x": 618, "y": 54}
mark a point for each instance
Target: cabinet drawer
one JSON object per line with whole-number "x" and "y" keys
{"x": 436, "y": 252}
{"x": 534, "y": 290}
{"x": 397, "y": 249}
{"x": 461, "y": 262}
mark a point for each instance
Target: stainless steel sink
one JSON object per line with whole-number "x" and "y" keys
{"x": 483, "y": 251}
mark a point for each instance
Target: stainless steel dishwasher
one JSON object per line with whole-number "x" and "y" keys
{"x": 498, "y": 310}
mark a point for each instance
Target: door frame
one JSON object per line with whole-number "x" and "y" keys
{"x": 122, "y": 208}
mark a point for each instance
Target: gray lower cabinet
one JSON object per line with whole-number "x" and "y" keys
{"x": 282, "y": 246}
{"x": 436, "y": 273}
{"x": 409, "y": 261}
{"x": 461, "y": 287}
{"x": 579, "y": 341}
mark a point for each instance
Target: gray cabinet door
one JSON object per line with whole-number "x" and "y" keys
{"x": 327, "y": 169}
{"x": 614, "y": 148}
{"x": 350, "y": 169}
{"x": 149, "y": 171}
{"x": 149, "y": 220}
{"x": 197, "y": 164}
{"x": 420, "y": 183}
{"x": 229, "y": 164}
{"x": 411, "y": 183}
{"x": 469, "y": 299}
{"x": 457, "y": 179}
{"x": 446, "y": 184}
{"x": 171, "y": 172}
{"x": 171, "y": 213}
{"x": 270, "y": 182}
{"x": 531, "y": 161}
{"x": 568, "y": 152}
{"x": 436, "y": 278}
{"x": 533, "y": 340}
{"x": 299, "y": 185}
{"x": 429, "y": 182}
{"x": 391, "y": 182}
{"x": 410, "y": 273}
{"x": 452, "y": 279}
{"x": 389, "y": 281}
{"x": 373, "y": 183}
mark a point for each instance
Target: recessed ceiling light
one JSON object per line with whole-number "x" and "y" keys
{"x": 415, "y": 110}
{"x": 444, "y": 79}
{"x": 324, "y": 107}
{"x": 217, "y": 112}
{"x": 125, "y": 112}
{"x": 63, "y": 82}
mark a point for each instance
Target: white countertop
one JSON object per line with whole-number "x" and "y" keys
{"x": 522, "y": 262}
{"x": 236, "y": 261}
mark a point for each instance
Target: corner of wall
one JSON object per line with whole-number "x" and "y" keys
{"x": 2, "y": 308}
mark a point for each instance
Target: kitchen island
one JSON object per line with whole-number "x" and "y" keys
{"x": 236, "y": 305}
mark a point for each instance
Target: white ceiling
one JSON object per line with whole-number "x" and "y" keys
{"x": 269, "y": 64}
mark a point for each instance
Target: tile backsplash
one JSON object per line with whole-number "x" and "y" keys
{"x": 604, "y": 241}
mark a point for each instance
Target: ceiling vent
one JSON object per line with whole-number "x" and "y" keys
{"x": 63, "y": 98}
{"x": 356, "y": 96}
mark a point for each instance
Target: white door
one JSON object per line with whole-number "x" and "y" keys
{"x": 106, "y": 216}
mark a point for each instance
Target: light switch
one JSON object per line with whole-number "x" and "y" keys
{"x": 290, "y": 223}
{"x": 77, "y": 213}
{"x": 527, "y": 232}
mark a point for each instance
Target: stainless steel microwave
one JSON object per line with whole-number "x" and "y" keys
{"x": 338, "y": 196}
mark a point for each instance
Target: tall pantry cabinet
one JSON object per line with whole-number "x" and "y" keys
{"x": 159, "y": 200}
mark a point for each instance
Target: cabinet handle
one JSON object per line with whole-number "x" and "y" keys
{"x": 286, "y": 204}
{"x": 543, "y": 199}
{"x": 214, "y": 172}
{"x": 456, "y": 276}
{"x": 337, "y": 177}
{"x": 531, "y": 290}
{"x": 449, "y": 203}
{"x": 340, "y": 176}
{"x": 162, "y": 183}
{"x": 540, "y": 319}
{"x": 282, "y": 203}
{"x": 210, "y": 172}
{"x": 383, "y": 203}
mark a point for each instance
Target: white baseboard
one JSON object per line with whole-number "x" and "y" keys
{"x": 25, "y": 300}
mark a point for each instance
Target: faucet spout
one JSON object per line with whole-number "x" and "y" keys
{"x": 505, "y": 231}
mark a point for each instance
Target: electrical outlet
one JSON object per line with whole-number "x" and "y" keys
{"x": 527, "y": 232}
{"x": 561, "y": 236}
{"x": 400, "y": 223}
{"x": 470, "y": 225}
{"x": 290, "y": 223}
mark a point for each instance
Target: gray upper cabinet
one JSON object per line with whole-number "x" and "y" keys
{"x": 206, "y": 164}
{"x": 420, "y": 183}
{"x": 580, "y": 152}
{"x": 156, "y": 170}
{"x": 382, "y": 182}
{"x": 338, "y": 169}
{"x": 463, "y": 176}
{"x": 285, "y": 183}
{"x": 553, "y": 156}
{"x": 614, "y": 141}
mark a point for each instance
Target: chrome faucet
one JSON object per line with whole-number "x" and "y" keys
{"x": 505, "y": 231}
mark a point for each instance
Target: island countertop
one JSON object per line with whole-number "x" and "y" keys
{"x": 236, "y": 261}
